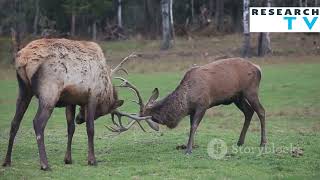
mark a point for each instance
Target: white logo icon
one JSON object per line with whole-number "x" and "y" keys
{"x": 217, "y": 149}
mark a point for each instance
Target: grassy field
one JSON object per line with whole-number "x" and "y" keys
{"x": 289, "y": 92}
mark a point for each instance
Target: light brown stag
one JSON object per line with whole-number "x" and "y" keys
{"x": 64, "y": 73}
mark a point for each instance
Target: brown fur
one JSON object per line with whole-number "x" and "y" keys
{"x": 222, "y": 82}
{"x": 63, "y": 73}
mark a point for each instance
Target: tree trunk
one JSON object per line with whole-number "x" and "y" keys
{"x": 264, "y": 44}
{"x": 16, "y": 30}
{"x": 147, "y": 17}
{"x": 15, "y": 43}
{"x": 300, "y": 3}
{"x": 219, "y": 15}
{"x": 306, "y": 3}
{"x": 246, "y": 33}
{"x": 171, "y": 21}
{"x": 192, "y": 11}
{"x": 94, "y": 31}
{"x": 211, "y": 8}
{"x": 236, "y": 16}
{"x": 165, "y": 24}
{"x": 119, "y": 13}
{"x": 36, "y": 18}
{"x": 152, "y": 17}
{"x": 315, "y": 3}
{"x": 73, "y": 23}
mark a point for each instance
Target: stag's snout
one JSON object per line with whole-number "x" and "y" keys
{"x": 80, "y": 118}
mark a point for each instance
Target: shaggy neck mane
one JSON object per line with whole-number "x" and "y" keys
{"x": 171, "y": 109}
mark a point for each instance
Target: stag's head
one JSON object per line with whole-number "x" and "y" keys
{"x": 146, "y": 110}
{"x": 103, "y": 109}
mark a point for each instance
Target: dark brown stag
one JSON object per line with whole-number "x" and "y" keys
{"x": 221, "y": 82}
{"x": 63, "y": 73}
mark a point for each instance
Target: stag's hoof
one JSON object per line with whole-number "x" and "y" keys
{"x": 188, "y": 152}
{"x": 45, "y": 168}
{"x": 92, "y": 162}
{"x": 239, "y": 143}
{"x": 79, "y": 120}
{"x": 67, "y": 161}
{"x": 185, "y": 147}
{"x": 263, "y": 144}
{"x": 6, "y": 164}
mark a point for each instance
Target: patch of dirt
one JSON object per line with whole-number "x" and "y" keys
{"x": 316, "y": 127}
{"x": 183, "y": 146}
{"x": 7, "y": 72}
{"x": 7, "y": 101}
{"x": 306, "y": 111}
{"x": 215, "y": 113}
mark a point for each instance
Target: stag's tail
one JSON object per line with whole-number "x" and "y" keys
{"x": 259, "y": 72}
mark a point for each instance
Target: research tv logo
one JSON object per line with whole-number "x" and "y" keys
{"x": 276, "y": 19}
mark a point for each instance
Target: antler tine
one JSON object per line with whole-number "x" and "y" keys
{"x": 135, "y": 101}
{"x": 112, "y": 118}
{"x": 123, "y": 70}
{"x": 137, "y": 118}
{"x": 120, "y": 128}
{"x": 141, "y": 126}
{"x": 127, "y": 84}
{"x": 117, "y": 68}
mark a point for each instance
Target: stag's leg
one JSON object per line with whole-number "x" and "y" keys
{"x": 197, "y": 117}
{"x": 90, "y": 112}
{"x": 22, "y": 104}
{"x": 39, "y": 123}
{"x": 191, "y": 123}
{"x": 184, "y": 146}
{"x": 70, "y": 113}
{"x": 245, "y": 107}
{"x": 258, "y": 108}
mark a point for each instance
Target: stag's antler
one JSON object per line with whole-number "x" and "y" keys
{"x": 129, "y": 85}
{"x": 120, "y": 128}
{"x": 119, "y": 68}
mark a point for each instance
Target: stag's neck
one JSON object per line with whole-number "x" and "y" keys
{"x": 107, "y": 92}
{"x": 171, "y": 109}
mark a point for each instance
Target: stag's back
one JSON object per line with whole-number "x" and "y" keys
{"x": 219, "y": 81}
{"x": 39, "y": 51}
{"x": 70, "y": 68}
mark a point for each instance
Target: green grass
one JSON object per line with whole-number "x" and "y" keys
{"x": 5, "y": 50}
{"x": 289, "y": 92}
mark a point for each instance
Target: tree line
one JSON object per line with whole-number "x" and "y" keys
{"x": 119, "y": 19}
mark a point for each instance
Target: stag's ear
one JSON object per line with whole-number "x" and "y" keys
{"x": 117, "y": 104}
{"x": 154, "y": 96}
